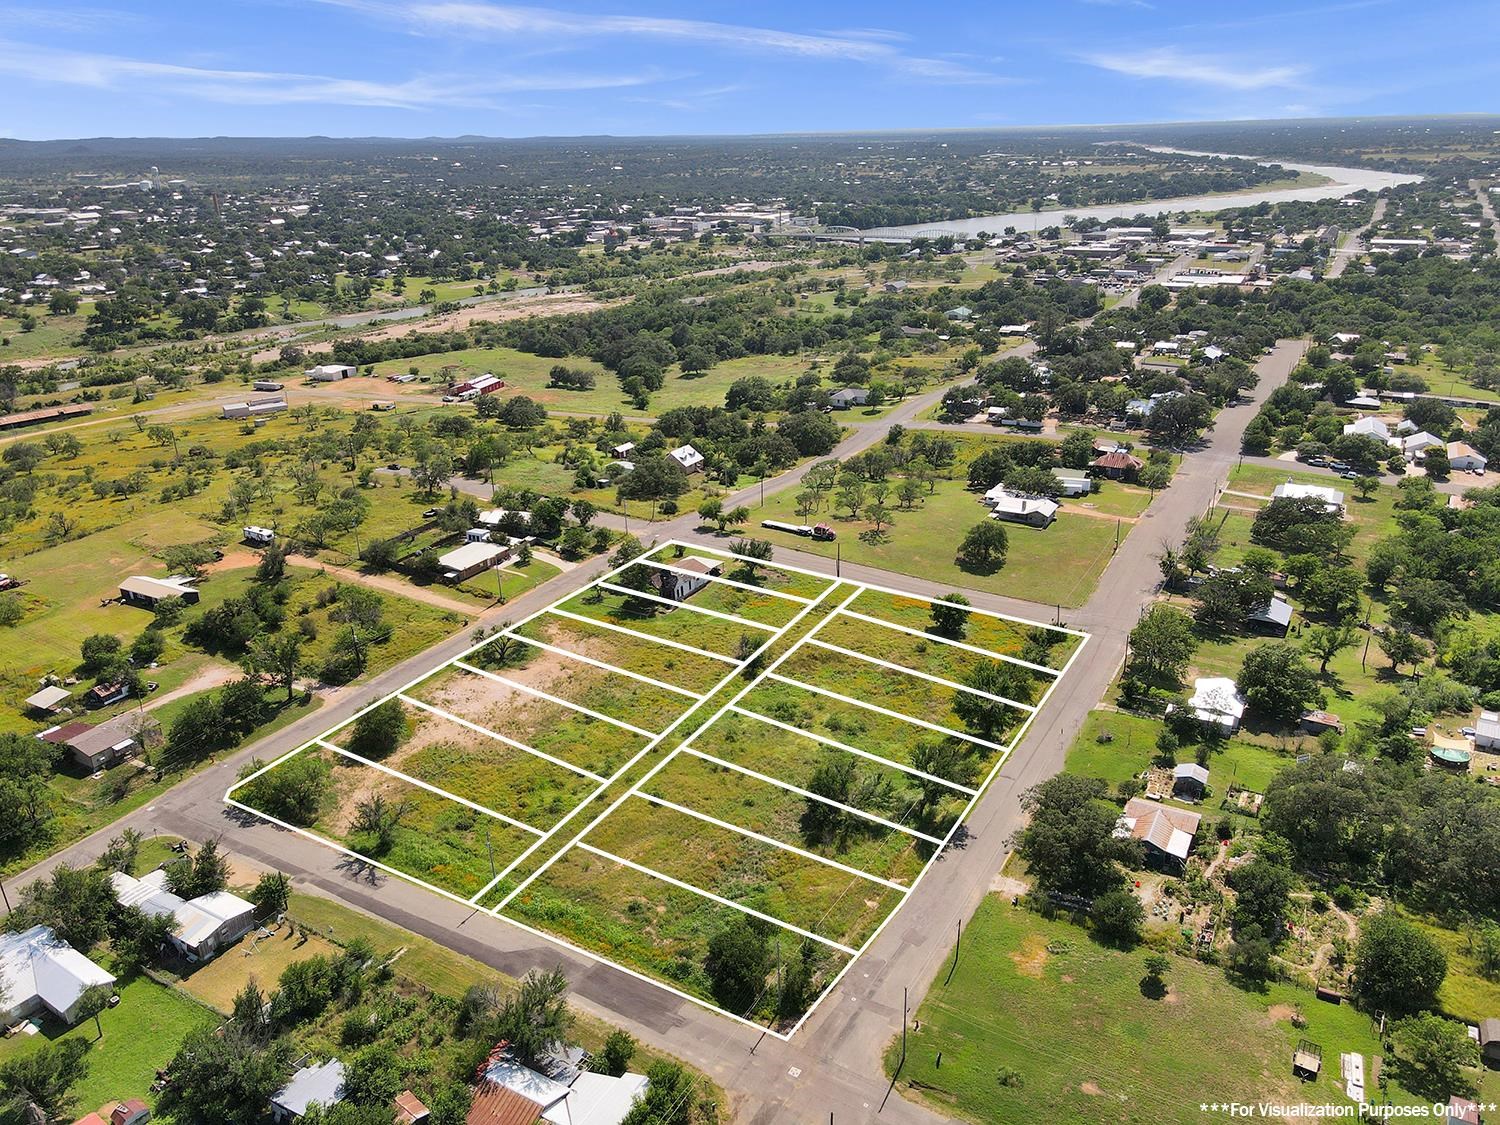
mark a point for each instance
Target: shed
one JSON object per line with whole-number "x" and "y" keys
{"x": 1189, "y": 780}
{"x": 1274, "y": 618}
{"x": 1489, "y": 1039}
{"x": 1075, "y": 482}
{"x": 330, "y": 372}
{"x": 410, "y": 1110}
{"x": 1316, "y": 722}
{"x": 132, "y": 1111}
{"x": 49, "y": 698}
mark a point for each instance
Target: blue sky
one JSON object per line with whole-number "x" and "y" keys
{"x": 445, "y": 67}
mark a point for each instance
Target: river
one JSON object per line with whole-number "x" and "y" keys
{"x": 1342, "y": 181}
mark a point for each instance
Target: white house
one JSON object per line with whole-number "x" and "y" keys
{"x": 41, "y": 971}
{"x": 849, "y": 396}
{"x": 1332, "y": 498}
{"x": 471, "y": 559}
{"x": 1462, "y": 455}
{"x": 330, "y": 372}
{"x": 1217, "y": 699}
{"x": 1075, "y": 482}
{"x": 1373, "y": 427}
{"x": 1417, "y": 444}
{"x": 1487, "y": 731}
{"x": 688, "y": 457}
{"x": 1037, "y": 511}
{"x": 204, "y": 925}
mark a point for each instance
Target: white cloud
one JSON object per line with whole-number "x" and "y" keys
{"x": 1173, "y": 64}
{"x": 468, "y": 18}
{"x": 255, "y": 87}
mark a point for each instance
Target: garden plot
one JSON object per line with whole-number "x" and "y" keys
{"x": 471, "y": 764}
{"x": 393, "y": 823}
{"x": 513, "y": 716}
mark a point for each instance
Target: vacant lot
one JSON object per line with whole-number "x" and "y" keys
{"x": 663, "y": 663}
{"x": 1039, "y": 1022}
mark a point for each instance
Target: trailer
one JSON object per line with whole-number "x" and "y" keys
{"x": 816, "y": 531}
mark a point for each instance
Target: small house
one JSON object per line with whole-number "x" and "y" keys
{"x": 1165, "y": 833}
{"x": 1316, "y": 722}
{"x": 1332, "y": 498}
{"x": 146, "y": 592}
{"x": 1189, "y": 781}
{"x": 960, "y": 313}
{"x": 623, "y": 449}
{"x": 321, "y": 1085}
{"x": 1461, "y": 1111}
{"x": 204, "y": 925}
{"x": 1417, "y": 444}
{"x": 472, "y": 558}
{"x": 1075, "y": 482}
{"x": 330, "y": 372}
{"x": 688, "y": 457}
{"x": 41, "y": 972}
{"x": 1371, "y": 427}
{"x": 1272, "y": 619}
{"x": 1217, "y": 699}
{"x": 1489, "y": 1041}
{"x": 1117, "y": 465}
{"x": 688, "y": 576}
{"x": 1034, "y": 511}
{"x": 98, "y": 747}
{"x": 849, "y": 396}
{"x": 1463, "y": 456}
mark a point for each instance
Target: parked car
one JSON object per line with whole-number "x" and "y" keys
{"x": 429, "y": 513}
{"x": 1349, "y": 474}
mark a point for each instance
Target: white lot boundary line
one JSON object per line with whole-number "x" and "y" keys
{"x": 928, "y": 676}
{"x": 540, "y": 694}
{"x": 613, "y": 589}
{"x": 938, "y": 727}
{"x": 678, "y": 883}
{"x": 327, "y": 843}
{"x": 909, "y": 631}
{"x": 957, "y": 824}
{"x": 809, "y": 795}
{"x": 727, "y": 581}
{"x": 477, "y": 729}
{"x": 599, "y": 959}
{"x": 768, "y": 840}
{"x": 604, "y": 665}
{"x": 832, "y": 580}
{"x": 413, "y": 682}
{"x": 856, "y": 751}
{"x": 623, "y": 797}
{"x": 420, "y": 784}
{"x": 629, "y": 632}
{"x": 995, "y": 613}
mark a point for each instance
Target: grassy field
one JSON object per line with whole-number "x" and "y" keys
{"x": 217, "y": 982}
{"x": 1040, "y": 1023}
{"x": 644, "y": 657}
{"x": 1132, "y": 746}
{"x": 1034, "y": 642}
{"x": 141, "y": 1034}
{"x": 1058, "y": 565}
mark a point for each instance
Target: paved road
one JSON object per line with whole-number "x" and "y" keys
{"x": 833, "y": 1065}
{"x": 1352, "y": 245}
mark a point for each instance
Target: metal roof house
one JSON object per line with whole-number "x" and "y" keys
{"x": 323, "y": 1085}
{"x": 41, "y": 971}
{"x": 471, "y": 559}
{"x": 1166, "y": 832}
{"x": 1332, "y": 498}
{"x": 141, "y": 590}
{"x": 688, "y": 457}
{"x": 104, "y": 744}
{"x": 1274, "y": 618}
{"x": 1035, "y": 511}
{"x": 1217, "y": 699}
{"x": 849, "y": 396}
{"x": 204, "y": 925}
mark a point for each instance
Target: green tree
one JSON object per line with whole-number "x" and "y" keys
{"x": 37, "y": 1086}
{"x": 1278, "y": 683}
{"x": 1069, "y": 844}
{"x": 1262, "y": 890}
{"x": 1400, "y": 646}
{"x": 1327, "y": 641}
{"x": 201, "y": 874}
{"x": 983, "y": 548}
{"x": 91, "y": 1002}
{"x": 737, "y": 963}
{"x": 981, "y": 709}
{"x": 670, "y": 1098}
{"x": 618, "y": 1050}
{"x": 536, "y": 1015}
{"x": 949, "y": 618}
{"x": 1162, "y": 643}
{"x": 224, "y": 1078}
{"x": 279, "y": 655}
{"x": 1118, "y": 917}
{"x": 1435, "y": 1056}
{"x": 1397, "y": 968}
{"x": 380, "y": 731}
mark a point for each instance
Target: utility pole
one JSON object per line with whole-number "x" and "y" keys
{"x": 838, "y": 557}
{"x": 904, "y": 1022}
{"x": 491, "y": 849}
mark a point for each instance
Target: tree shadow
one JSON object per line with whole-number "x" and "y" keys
{"x": 358, "y": 870}
{"x": 1153, "y": 987}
